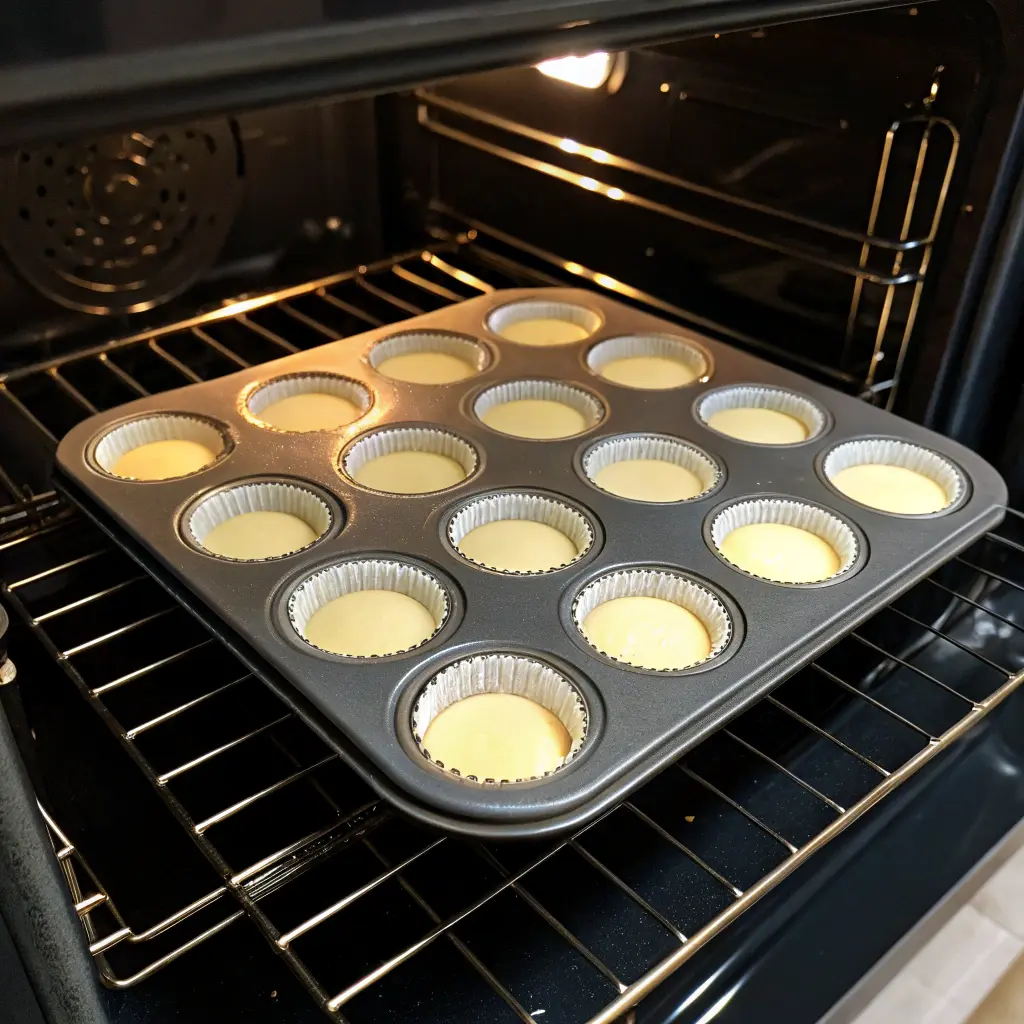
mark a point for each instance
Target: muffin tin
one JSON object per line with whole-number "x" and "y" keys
{"x": 626, "y": 722}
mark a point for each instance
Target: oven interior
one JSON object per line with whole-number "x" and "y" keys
{"x": 813, "y": 192}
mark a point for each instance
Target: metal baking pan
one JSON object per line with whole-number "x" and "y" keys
{"x": 636, "y": 721}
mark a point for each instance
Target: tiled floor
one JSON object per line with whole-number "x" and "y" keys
{"x": 973, "y": 970}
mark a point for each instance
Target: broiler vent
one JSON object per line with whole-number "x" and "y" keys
{"x": 121, "y": 223}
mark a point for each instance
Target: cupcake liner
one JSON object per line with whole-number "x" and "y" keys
{"x": 268, "y": 392}
{"x": 586, "y": 404}
{"x": 409, "y": 439}
{"x": 809, "y": 413}
{"x": 890, "y": 452}
{"x": 532, "y": 507}
{"x": 814, "y": 520}
{"x": 501, "y": 673}
{"x": 630, "y": 346}
{"x": 257, "y": 496}
{"x": 160, "y": 427}
{"x": 465, "y": 349}
{"x": 667, "y": 586}
{"x": 535, "y": 309}
{"x": 335, "y": 581}
{"x": 629, "y": 448}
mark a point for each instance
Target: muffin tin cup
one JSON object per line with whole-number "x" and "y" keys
{"x": 889, "y": 451}
{"x": 348, "y": 577}
{"x": 224, "y": 504}
{"x": 633, "y": 447}
{"x": 501, "y": 673}
{"x": 751, "y": 396}
{"x": 532, "y": 309}
{"x": 631, "y": 346}
{"x": 638, "y": 721}
{"x": 389, "y": 440}
{"x": 263, "y": 394}
{"x": 589, "y": 406}
{"x": 835, "y": 532}
{"x": 512, "y": 505}
{"x": 467, "y": 350}
{"x": 665, "y": 585}
{"x": 171, "y": 426}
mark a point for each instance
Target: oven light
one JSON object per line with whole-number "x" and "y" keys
{"x": 589, "y": 72}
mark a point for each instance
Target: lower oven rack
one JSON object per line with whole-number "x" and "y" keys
{"x": 301, "y": 849}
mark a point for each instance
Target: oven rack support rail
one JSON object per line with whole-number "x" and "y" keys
{"x": 353, "y": 819}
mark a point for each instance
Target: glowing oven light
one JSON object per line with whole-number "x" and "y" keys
{"x": 589, "y": 72}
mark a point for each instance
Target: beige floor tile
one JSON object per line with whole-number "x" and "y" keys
{"x": 1002, "y": 897}
{"x": 1005, "y": 1003}
{"x": 905, "y": 1000}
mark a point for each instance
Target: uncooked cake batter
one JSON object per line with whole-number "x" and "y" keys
{"x": 426, "y": 368}
{"x": 538, "y": 418}
{"x": 311, "y": 411}
{"x": 163, "y": 460}
{"x": 368, "y": 623}
{"x": 518, "y": 545}
{"x": 785, "y": 554}
{"x": 891, "y": 489}
{"x": 650, "y": 372}
{"x": 649, "y": 480}
{"x": 499, "y": 736}
{"x": 544, "y": 331}
{"x": 259, "y": 535}
{"x": 759, "y": 426}
{"x": 410, "y": 473}
{"x": 648, "y": 632}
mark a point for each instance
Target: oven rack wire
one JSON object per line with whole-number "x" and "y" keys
{"x": 118, "y": 637}
{"x": 351, "y": 818}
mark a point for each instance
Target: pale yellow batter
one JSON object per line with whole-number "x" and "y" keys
{"x": 426, "y": 368}
{"x": 648, "y": 632}
{"x": 785, "y": 554}
{"x": 760, "y": 426}
{"x": 891, "y": 489}
{"x": 648, "y": 480}
{"x": 538, "y": 418}
{"x": 162, "y": 460}
{"x": 370, "y": 622}
{"x": 311, "y": 411}
{"x": 652, "y": 372}
{"x": 259, "y": 535}
{"x": 544, "y": 331}
{"x": 410, "y": 473}
{"x": 518, "y": 545}
{"x": 498, "y": 736}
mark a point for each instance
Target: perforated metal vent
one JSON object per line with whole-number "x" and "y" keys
{"x": 120, "y": 223}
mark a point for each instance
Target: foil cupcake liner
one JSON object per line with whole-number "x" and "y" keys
{"x": 414, "y": 342}
{"x": 832, "y": 530}
{"x": 266, "y": 393}
{"x": 630, "y": 346}
{"x": 134, "y": 434}
{"x": 257, "y": 496}
{"x": 408, "y": 439}
{"x": 632, "y": 447}
{"x": 534, "y": 309}
{"x": 532, "y": 507}
{"x": 802, "y": 409}
{"x": 891, "y": 452}
{"x": 586, "y": 404}
{"x": 501, "y": 673}
{"x": 667, "y": 586}
{"x": 335, "y": 581}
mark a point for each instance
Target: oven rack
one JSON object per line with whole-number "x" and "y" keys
{"x": 470, "y": 258}
{"x": 276, "y": 870}
{"x": 886, "y": 272}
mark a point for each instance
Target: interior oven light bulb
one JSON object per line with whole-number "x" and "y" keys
{"x": 589, "y": 72}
